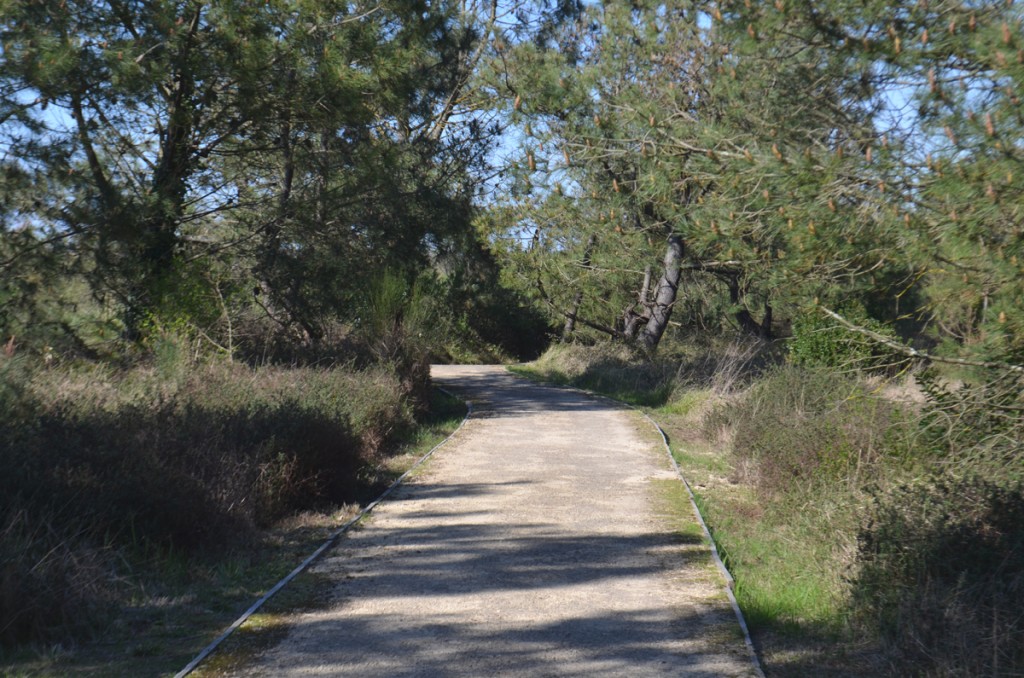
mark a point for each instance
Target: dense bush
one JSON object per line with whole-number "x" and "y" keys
{"x": 941, "y": 577}
{"x": 176, "y": 457}
{"x": 820, "y": 342}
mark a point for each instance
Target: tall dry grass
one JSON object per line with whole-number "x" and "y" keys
{"x": 106, "y": 467}
{"x": 909, "y": 510}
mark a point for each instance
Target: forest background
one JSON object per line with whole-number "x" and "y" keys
{"x": 234, "y": 236}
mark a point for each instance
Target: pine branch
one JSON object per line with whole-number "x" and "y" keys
{"x": 441, "y": 122}
{"x": 38, "y": 245}
{"x": 592, "y": 325}
{"x": 913, "y": 352}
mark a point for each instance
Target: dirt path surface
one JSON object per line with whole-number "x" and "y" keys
{"x": 532, "y": 545}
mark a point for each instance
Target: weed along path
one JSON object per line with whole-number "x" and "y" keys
{"x": 546, "y": 539}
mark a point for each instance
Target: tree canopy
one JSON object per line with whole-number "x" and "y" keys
{"x": 790, "y": 153}
{"x": 174, "y": 154}
{"x": 710, "y": 164}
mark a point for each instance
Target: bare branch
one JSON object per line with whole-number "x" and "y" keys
{"x": 913, "y": 352}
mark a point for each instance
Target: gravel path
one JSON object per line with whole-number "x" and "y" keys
{"x": 532, "y": 545}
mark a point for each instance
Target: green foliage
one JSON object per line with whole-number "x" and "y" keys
{"x": 685, "y": 143}
{"x": 819, "y": 342}
{"x": 908, "y": 210}
{"x": 941, "y": 576}
{"x": 178, "y": 156}
{"x": 489, "y": 310}
{"x": 398, "y": 320}
{"x": 816, "y": 342}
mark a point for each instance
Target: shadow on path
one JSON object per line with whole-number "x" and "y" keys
{"x": 504, "y": 395}
{"x": 529, "y": 548}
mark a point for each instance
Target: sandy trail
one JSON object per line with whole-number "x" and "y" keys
{"x": 532, "y": 545}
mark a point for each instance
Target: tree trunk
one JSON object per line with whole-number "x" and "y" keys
{"x": 570, "y": 317}
{"x": 664, "y": 295}
{"x": 577, "y": 300}
{"x": 154, "y": 245}
{"x": 762, "y": 330}
{"x": 632, "y": 320}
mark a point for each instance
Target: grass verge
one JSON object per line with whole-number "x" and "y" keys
{"x": 783, "y": 551}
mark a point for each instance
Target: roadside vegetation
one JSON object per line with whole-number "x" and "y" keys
{"x": 858, "y": 546}
{"x": 232, "y": 239}
{"x": 147, "y": 504}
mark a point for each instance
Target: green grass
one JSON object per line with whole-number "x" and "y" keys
{"x": 783, "y": 551}
{"x": 267, "y": 627}
{"x": 776, "y": 561}
{"x": 684, "y": 403}
{"x": 674, "y": 501}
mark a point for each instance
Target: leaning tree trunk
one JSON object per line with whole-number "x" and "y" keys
{"x": 761, "y": 330}
{"x": 570, "y": 317}
{"x": 632, "y": 320}
{"x": 577, "y": 300}
{"x": 664, "y": 295}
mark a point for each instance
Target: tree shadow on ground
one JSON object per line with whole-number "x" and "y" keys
{"x": 479, "y": 577}
{"x": 519, "y": 397}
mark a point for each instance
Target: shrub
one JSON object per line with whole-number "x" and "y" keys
{"x": 941, "y": 576}
{"x": 820, "y": 342}
{"x": 147, "y": 461}
{"x": 976, "y": 425}
{"x": 724, "y": 366}
{"x": 623, "y": 372}
{"x": 50, "y": 577}
{"x": 611, "y": 368}
{"x": 799, "y": 426}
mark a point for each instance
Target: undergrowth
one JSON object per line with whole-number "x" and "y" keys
{"x": 942, "y": 576}
{"x": 796, "y": 427}
{"x": 112, "y": 472}
{"x": 868, "y": 534}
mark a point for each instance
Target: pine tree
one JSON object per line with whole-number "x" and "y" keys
{"x": 692, "y": 148}
{"x": 180, "y": 147}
